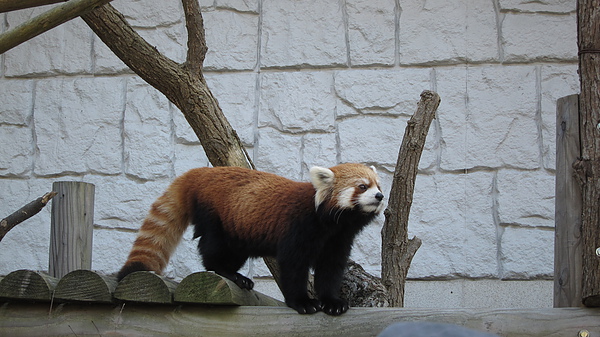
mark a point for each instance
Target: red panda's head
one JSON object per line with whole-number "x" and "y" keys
{"x": 348, "y": 186}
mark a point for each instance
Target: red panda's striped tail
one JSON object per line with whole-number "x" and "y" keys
{"x": 159, "y": 234}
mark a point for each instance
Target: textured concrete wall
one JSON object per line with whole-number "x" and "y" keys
{"x": 306, "y": 83}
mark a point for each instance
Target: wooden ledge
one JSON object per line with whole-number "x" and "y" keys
{"x": 33, "y": 319}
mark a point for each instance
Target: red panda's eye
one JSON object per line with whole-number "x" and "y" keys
{"x": 362, "y": 187}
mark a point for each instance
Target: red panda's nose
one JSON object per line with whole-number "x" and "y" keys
{"x": 379, "y": 196}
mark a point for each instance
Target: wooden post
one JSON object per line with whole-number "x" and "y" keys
{"x": 588, "y": 167}
{"x": 567, "y": 219}
{"x": 71, "y": 227}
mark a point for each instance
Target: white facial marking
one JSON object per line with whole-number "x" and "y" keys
{"x": 345, "y": 198}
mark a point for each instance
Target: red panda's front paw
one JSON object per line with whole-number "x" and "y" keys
{"x": 243, "y": 282}
{"x": 305, "y": 306}
{"x": 335, "y": 306}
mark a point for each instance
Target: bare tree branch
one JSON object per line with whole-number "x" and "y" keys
{"x": 46, "y": 21}
{"x": 13, "y": 5}
{"x": 24, "y": 213}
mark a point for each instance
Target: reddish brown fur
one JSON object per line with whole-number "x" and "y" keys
{"x": 252, "y": 212}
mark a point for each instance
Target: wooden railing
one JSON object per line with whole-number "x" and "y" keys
{"x": 83, "y": 302}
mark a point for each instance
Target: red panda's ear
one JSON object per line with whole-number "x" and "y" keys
{"x": 373, "y": 168}
{"x": 321, "y": 178}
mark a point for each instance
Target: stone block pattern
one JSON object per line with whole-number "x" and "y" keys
{"x": 305, "y": 83}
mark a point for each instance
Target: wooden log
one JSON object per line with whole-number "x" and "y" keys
{"x": 567, "y": 239}
{"x": 147, "y": 287}
{"x": 20, "y": 319}
{"x": 85, "y": 286}
{"x": 71, "y": 227}
{"x": 210, "y": 288}
{"x": 28, "y": 285}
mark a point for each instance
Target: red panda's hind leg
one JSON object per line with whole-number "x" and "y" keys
{"x": 220, "y": 256}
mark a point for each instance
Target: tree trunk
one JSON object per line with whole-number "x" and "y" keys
{"x": 588, "y": 166}
{"x": 397, "y": 250}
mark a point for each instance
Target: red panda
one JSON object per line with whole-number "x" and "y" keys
{"x": 240, "y": 213}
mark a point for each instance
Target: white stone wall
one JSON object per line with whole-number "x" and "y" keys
{"x": 306, "y": 83}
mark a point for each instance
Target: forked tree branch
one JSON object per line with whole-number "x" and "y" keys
{"x": 185, "y": 88}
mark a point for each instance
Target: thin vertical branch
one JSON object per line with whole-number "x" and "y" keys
{"x": 194, "y": 24}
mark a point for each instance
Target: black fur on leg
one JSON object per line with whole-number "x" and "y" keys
{"x": 219, "y": 251}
